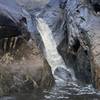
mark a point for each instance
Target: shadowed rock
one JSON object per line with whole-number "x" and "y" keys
{"x": 83, "y": 21}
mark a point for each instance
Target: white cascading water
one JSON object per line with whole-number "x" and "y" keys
{"x": 52, "y": 55}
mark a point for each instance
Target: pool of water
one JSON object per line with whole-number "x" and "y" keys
{"x": 60, "y": 91}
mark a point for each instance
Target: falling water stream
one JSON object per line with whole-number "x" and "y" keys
{"x": 54, "y": 59}
{"x": 66, "y": 87}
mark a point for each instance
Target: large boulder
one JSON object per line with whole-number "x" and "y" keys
{"x": 23, "y": 68}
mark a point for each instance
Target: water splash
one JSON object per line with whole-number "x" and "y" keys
{"x": 54, "y": 59}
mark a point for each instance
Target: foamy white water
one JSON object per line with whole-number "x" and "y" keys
{"x": 52, "y": 55}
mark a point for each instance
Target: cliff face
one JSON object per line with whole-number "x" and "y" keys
{"x": 83, "y": 28}
{"x": 75, "y": 26}
{"x": 24, "y": 70}
{"x": 23, "y": 67}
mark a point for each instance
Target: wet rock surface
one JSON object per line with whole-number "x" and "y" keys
{"x": 83, "y": 39}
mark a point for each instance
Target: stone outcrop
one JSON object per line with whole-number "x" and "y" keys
{"x": 23, "y": 67}
{"x": 24, "y": 70}
{"x": 82, "y": 39}
{"x": 77, "y": 40}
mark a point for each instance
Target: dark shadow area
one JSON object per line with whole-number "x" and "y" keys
{"x": 12, "y": 34}
{"x": 96, "y": 7}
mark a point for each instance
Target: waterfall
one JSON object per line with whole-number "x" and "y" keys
{"x": 52, "y": 55}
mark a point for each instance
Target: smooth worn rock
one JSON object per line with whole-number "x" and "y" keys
{"x": 77, "y": 41}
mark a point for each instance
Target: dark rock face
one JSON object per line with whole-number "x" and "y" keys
{"x": 94, "y": 2}
{"x": 78, "y": 43}
{"x": 12, "y": 25}
{"x": 82, "y": 39}
{"x": 79, "y": 61}
{"x": 23, "y": 68}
